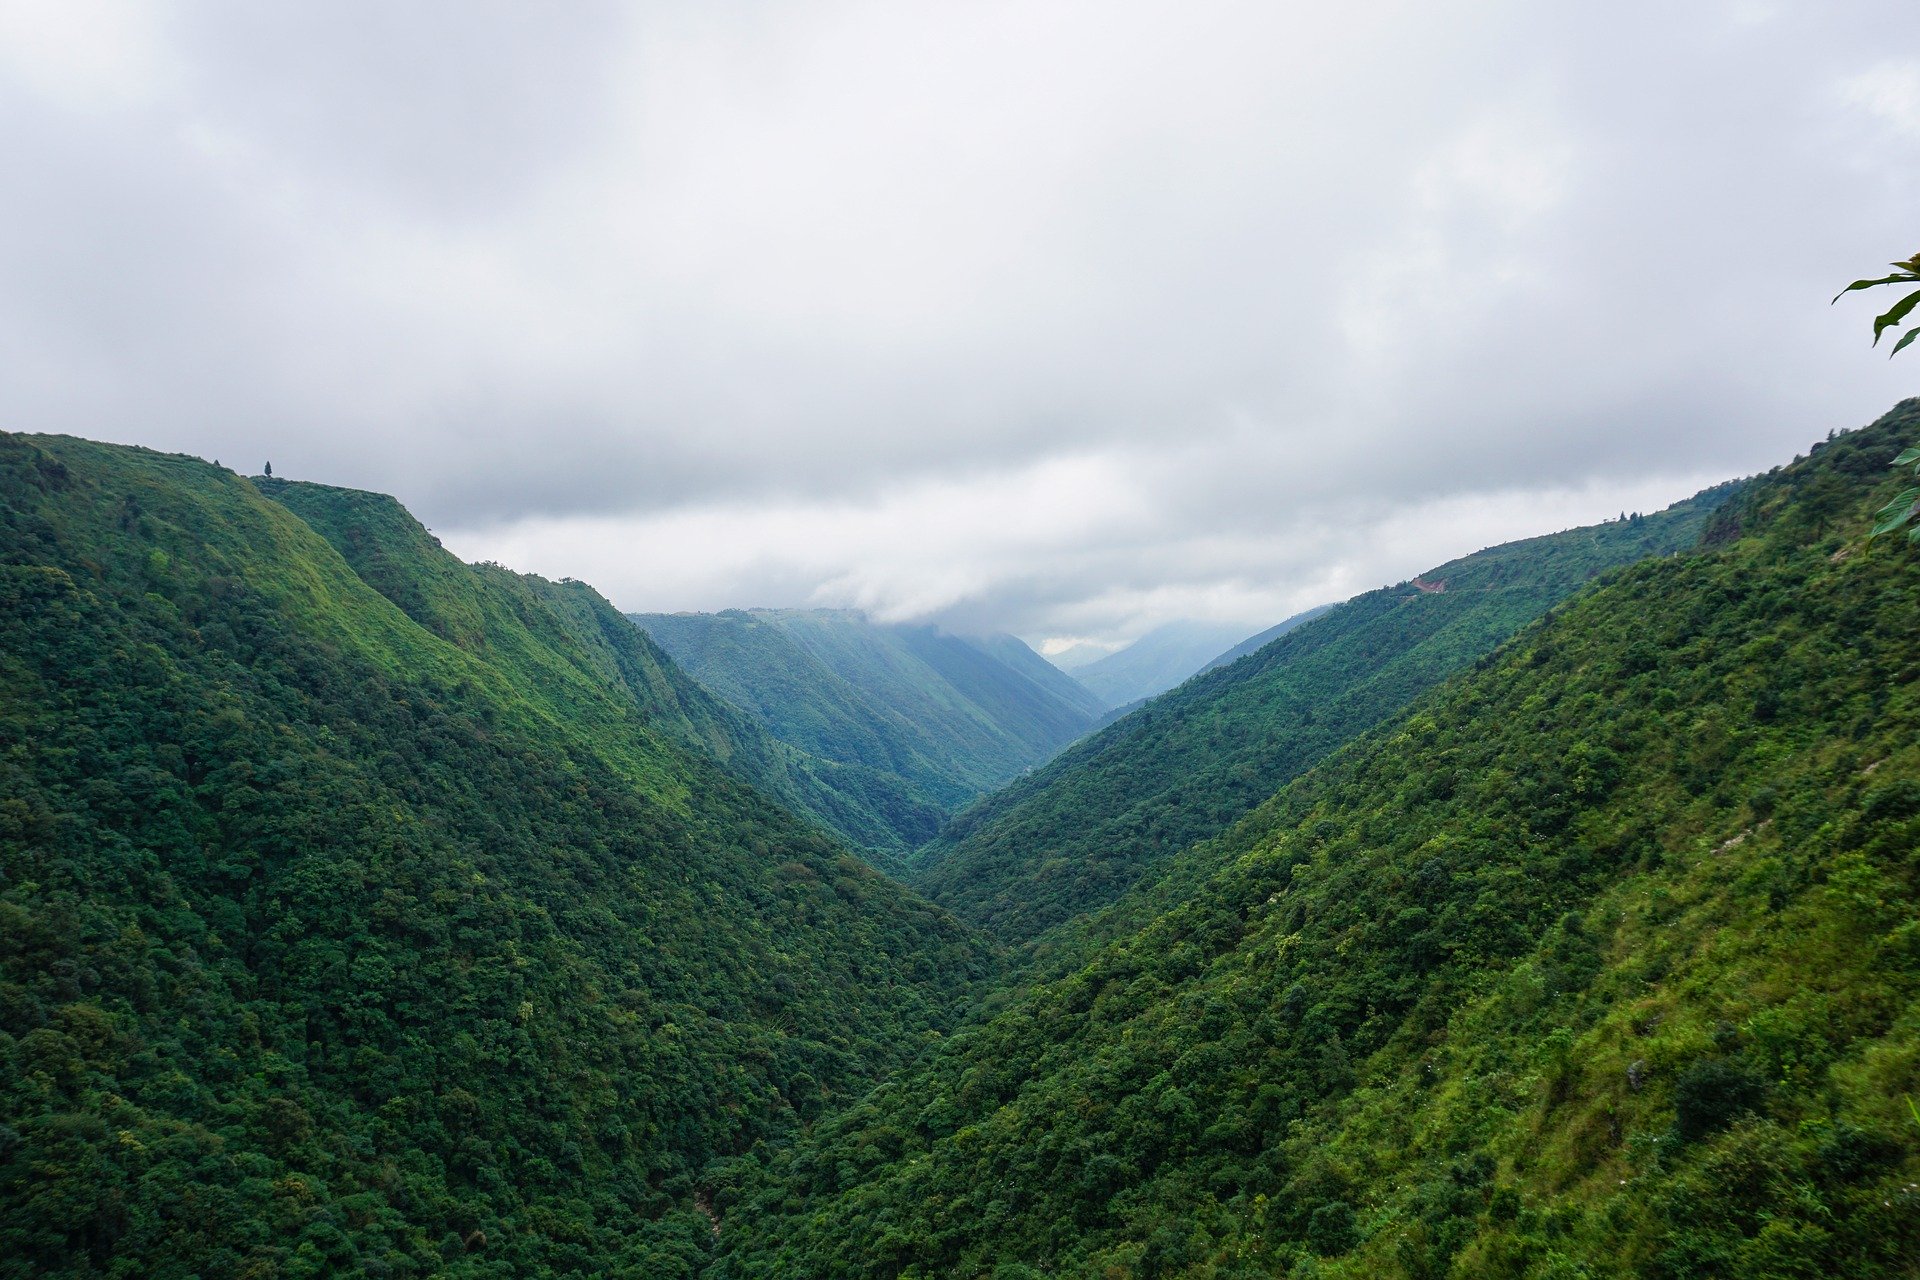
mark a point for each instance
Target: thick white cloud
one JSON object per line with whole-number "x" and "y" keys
{"x": 1064, "y": 317}
{"x": 1069, "y": 547}
{"x": 1888, "y": 91}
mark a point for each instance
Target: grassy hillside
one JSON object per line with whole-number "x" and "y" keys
{"x": 945, "y": 717}
{"x": 563, "y": 633}
{"x": 1602, "y": 961}
{"x": 1076, "y": 834}
{"x": 368, "y": 913}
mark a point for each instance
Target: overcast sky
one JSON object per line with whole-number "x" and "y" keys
{"x": 1063, "y": 319}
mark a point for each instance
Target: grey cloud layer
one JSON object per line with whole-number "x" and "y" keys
{"x": 1261, "y": 280}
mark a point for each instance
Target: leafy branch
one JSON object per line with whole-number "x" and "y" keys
{"x": 1907, "y": 505}
{"x": 1908, "y": 273}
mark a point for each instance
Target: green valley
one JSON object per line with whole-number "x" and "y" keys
{"x": 1599, "y": 961}
{"x": 778, "y": 691}
{"x": 367, "y": 911}
{"x": 1074, "y": 835}
{"x": 559, "y": 634}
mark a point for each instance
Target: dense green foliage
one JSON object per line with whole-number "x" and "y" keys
{"x": 1076, "y": 834}
{"x": 1603, "y": 960}
{"x": 387, "y": 929}
{"x": 1255, "y": 643}
{"x": 943, "y": 718}
{"x": 364, "y": 912}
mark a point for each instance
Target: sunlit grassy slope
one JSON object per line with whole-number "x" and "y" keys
{"x": 559, "y": 634}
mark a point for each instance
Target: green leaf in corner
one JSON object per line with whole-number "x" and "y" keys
{"x": 1905, "y": 338}
{"x": 1894, "y": 315}
{"x": 1912, "y": 452}
{"x": 1896, "y": 513}
{"x": 1868, "y": 284}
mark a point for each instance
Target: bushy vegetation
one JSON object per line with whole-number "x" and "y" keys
{"x": 1075, "y": 835}
{"x": 371, "y": 914}
{"x": 1601, "y": 960}
{"x": 939, "y": 719}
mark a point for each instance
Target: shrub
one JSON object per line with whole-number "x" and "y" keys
{"x": 1710, "y": 1094}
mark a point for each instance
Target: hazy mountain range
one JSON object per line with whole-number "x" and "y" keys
{"x": 1154, "y": 663}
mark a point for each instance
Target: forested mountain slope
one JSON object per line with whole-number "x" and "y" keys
{"x": 948, "y": 717}
{"x": 1077, "y": 833}
{"x": 1237, "y": 652}
{"x": 347, "y": 936}
{"x": 1157, "y": 661}
{"x": 1603, "y": 960}
{"x": 563, "y": 634}
{"x": 1253, "y": 644}
{"x": 1059, "y": 686}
